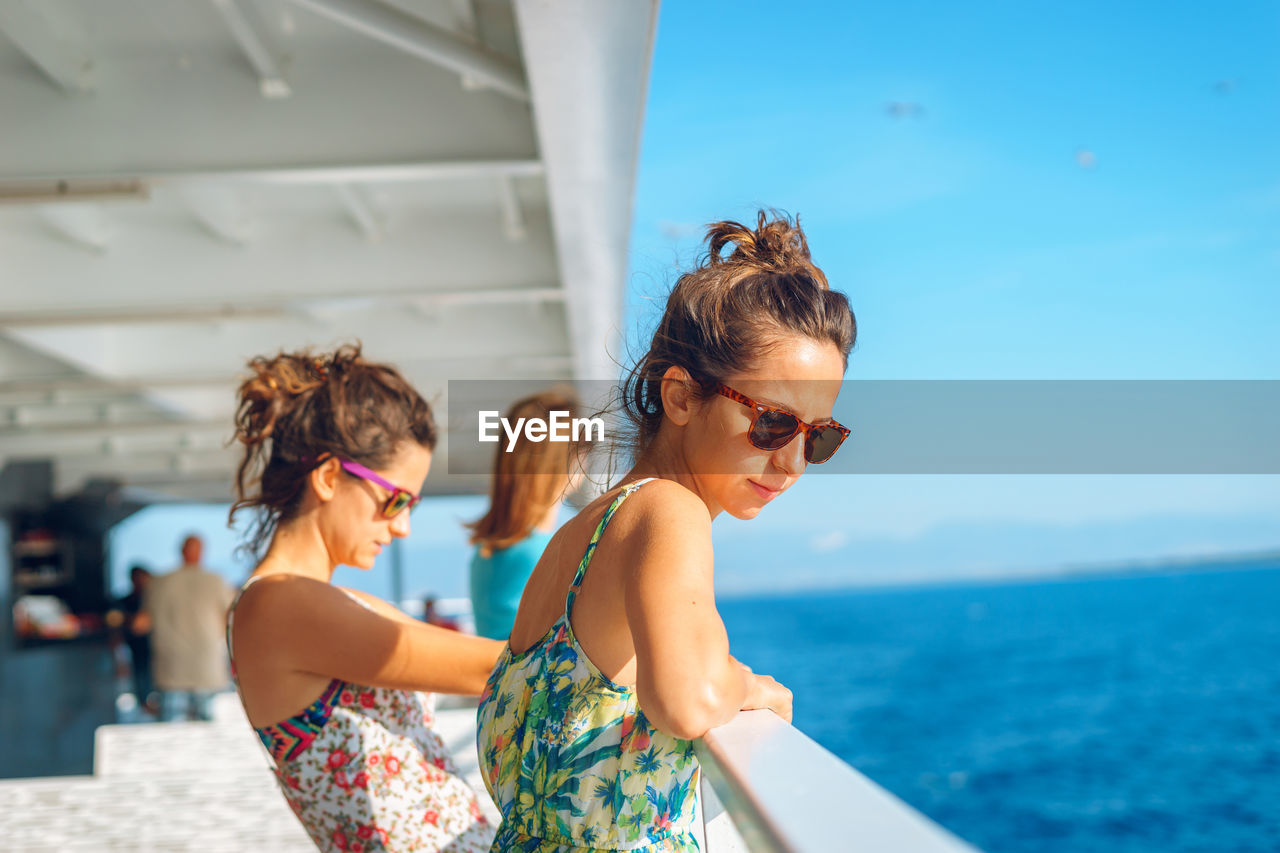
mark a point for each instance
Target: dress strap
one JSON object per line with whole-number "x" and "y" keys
{"x": 231, "y": 611}
{"x": 357, "y": 599}
{"x": 595, "y": 539}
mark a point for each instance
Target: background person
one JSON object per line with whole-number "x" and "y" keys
{"x": 336, "y": 452}
{"x": 432, "y": 616}
{"x": 187, "y": 610}
{"x": 135, "y": 630}
{"x": 529, "y": 484}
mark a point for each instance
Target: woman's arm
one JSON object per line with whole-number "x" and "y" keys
{"x": 317, "y": 628}
{"x": 686, "y": 681}
{"x": 382, "y": 607}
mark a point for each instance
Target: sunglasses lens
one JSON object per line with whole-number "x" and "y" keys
{"x": 773, "y": 430}
{"x": 397, "y": 504}
{"x": 821, "y": 443}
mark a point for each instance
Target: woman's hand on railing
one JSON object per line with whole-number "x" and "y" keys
{"x": 764, "y": 691}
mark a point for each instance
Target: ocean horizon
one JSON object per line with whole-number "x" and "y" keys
{"x": 1242, "y": 561}
{"x": 1116, "y": 713}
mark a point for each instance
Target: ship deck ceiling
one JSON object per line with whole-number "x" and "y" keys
{"x": 186, "y": 185}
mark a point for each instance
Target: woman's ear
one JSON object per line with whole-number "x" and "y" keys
{"x": 324, "y": 479}
{"x": 677, "y": 395}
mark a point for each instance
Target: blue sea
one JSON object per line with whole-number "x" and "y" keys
{"x": 1100, "y": 714}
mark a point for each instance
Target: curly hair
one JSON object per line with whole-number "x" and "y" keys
{"x": 298, "y": 408}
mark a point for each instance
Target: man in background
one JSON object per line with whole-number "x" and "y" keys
{"x": 135, "y": 631}
{"x": 187, "y": 609}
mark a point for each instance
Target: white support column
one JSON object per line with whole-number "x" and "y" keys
{"x": 426, "y": 41}
{"x": 588, "y": 72}
{"x": 250, "y": 34}
{"x": 28, "y": 26}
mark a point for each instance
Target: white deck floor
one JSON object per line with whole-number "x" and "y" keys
{"x": 145, "y": 794}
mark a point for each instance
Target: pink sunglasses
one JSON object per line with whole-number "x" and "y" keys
{"x": 400, "y": 500}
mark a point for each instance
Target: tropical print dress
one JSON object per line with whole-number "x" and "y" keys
{"x": 364, "y": 772}
{"x": 568, "y": 755}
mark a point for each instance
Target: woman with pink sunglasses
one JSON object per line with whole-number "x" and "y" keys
{"x": 336, "y": 451}
{"x": 618, "y": 658}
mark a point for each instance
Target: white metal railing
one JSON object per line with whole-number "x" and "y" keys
{"x": 786, "y": 794}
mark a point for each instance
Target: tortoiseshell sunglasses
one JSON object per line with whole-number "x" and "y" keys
{"x": 400, "y": 500}
{"x": 773, "y": 429}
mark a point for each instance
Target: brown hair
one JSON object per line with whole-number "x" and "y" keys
{"x": 730, "y": 309}
{"x": 297, "y": 408}
{"x": 528, "y": 479}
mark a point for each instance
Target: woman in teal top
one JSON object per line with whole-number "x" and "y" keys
{"x": 530, "y": 481}
{"x": 618, "y": 659}
{"x": 497, "y": 582}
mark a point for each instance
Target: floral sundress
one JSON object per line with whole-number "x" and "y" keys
{"x": 364, "y": 772}
{"x": 569, "y": 757}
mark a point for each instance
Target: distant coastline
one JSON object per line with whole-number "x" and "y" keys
{"x": 1163, "y": 565}
{"x": 1175, "y": 564}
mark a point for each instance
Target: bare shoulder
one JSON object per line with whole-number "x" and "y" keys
{"x": 664, "y": 505}
{"x": 280, "y": 596}
{"x": 296, "y": 617}
{"x": 662, "y": 522}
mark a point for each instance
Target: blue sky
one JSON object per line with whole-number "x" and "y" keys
{"x": 1062, "y": 191}
{"x": 971, "y": 240}
{"x": 1065, "y": 191}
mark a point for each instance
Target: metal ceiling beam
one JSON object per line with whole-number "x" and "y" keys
{"x": 56, "y": 192}
{"x": 513, "y": 224}
{"x": 364, "y": 214}
{"x": 30, "y": 31}
{"x": 104, "y": 385}
{"x": 426, "y": 41}
{"x": 113, "y": 440}
{"x": 212, "y": 487}
{"x": 105, "y": 430}
{"x": 126, "y": 461}
{"x": 213, "y": 122}
{"x": 56, "y": 408}
{"x": 272, "y": 306}
{"x": 82, "y": 224}
{"x": 46, "y": 188}
{"x": 248, "y": 33}
{"x": 216, "y": 486}
{"x": 221, "y": 212}
{"x": 464, "y": 16}
{"x": 111, "y": 388}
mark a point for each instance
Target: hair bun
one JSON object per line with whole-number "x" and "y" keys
{"x": 775, "y": 245}
{"x": 296, "y": 407}
{"x": 751, "y": 288}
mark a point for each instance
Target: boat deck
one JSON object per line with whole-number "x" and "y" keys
{"x": 145, "y": 793}
{"x": 208, "y": 786}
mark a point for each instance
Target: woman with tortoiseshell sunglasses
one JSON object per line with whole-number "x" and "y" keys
{"x": 618, "y": 658}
